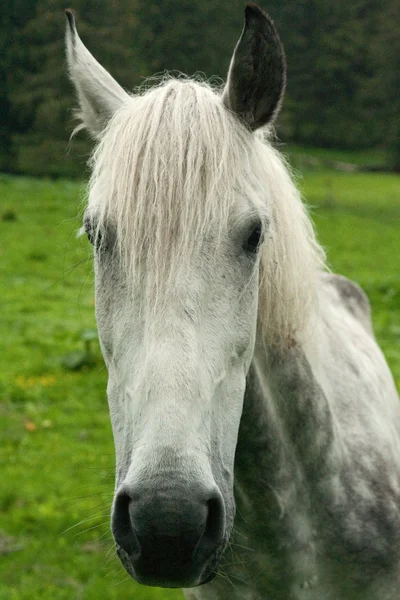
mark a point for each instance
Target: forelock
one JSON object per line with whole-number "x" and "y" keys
{"x": 165, "y": 174}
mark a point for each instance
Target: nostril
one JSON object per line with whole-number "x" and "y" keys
{"x": 215, "y": 523}
{"x": 121, "y": 525}
{"x": 213, "y": 533}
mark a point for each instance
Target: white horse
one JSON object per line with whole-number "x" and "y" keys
{"x": 240, "y": 374}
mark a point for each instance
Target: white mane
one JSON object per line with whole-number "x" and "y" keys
{"x": 166, "y": 173}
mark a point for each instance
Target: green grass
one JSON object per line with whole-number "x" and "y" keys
{"x": 367, "y": 158}
{"x": 56, "y": 452}
{"x": 358, "y": 222}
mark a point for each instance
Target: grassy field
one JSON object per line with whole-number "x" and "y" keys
{"x": 56, "y": 449}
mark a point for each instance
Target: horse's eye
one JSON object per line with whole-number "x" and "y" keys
{"x": 94, "y": 235}
{"x": 254, "y": 240}
{"x": 90, "y": 230}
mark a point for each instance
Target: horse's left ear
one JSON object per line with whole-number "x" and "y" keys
{"x": 257, "y": 74}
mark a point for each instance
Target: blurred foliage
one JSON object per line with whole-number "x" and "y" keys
{"x": 343, "y": 76}
{"x": 79, "y": 359}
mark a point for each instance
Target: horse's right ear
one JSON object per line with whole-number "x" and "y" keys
{"x": 99, "y": 95}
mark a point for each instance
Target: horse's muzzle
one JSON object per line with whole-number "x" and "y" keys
{"x": 169, "y": 537}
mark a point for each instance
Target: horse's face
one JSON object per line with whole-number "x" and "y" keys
{"x": 178, "y": 358}
{"x": 175, "y": 389}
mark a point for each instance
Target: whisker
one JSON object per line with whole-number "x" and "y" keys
{"x": 81, "y": 523}
{"x": 228, "y": 579}
{"x": 243, "y": 547}
{"x": 239, "y": 533}
{"x": 90, "y": 528}
{"x": 129, "y": 578}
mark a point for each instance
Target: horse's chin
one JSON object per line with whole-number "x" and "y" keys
{"x": 206, "y": 576}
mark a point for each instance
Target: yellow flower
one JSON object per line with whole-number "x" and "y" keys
{"x": 27, "y": 383}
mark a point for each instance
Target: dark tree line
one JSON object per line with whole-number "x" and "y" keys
{"x": 343, "y": 68}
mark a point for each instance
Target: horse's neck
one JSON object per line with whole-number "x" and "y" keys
{"x": 286, "y": 433}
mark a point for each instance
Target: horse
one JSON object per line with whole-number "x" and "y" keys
{"x": 256, "y": 422}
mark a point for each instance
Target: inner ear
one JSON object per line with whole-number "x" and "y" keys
{"x": 257, "y": 74}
